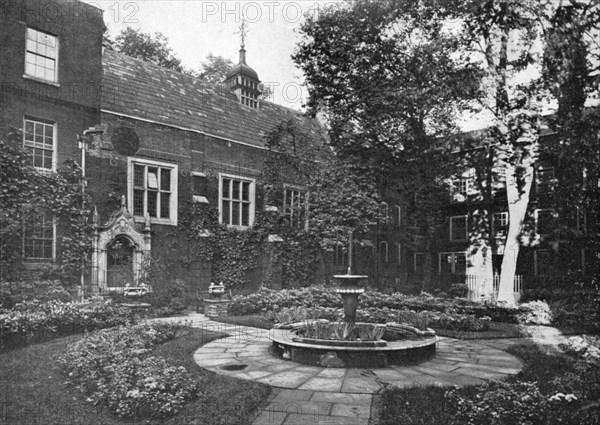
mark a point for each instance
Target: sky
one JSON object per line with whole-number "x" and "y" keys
{"x": 196, "y": 28}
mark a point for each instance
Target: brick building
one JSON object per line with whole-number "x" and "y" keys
{"x": 160, "y": 140}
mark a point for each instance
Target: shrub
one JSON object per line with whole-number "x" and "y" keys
{"x": 265, "y": 300}
{"x": 454, "y": 322}
{"x": 500, "y": 403}
{"x": 12, "y": 293}
{"x": 535, "y": 313}
{"x": 32, "y": 320}
{"x": 115, "y": 367}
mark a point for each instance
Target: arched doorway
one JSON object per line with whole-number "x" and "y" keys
{"x": 120, "y": 262}
{"x": 121, "y": 247}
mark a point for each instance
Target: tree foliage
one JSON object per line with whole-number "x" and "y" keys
{"x": 150, "y": 48}
{"x": 391, "y": 80}
{"x": 394, "y": 76}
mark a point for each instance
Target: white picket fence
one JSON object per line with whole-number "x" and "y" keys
{"x": 476, "y": 287}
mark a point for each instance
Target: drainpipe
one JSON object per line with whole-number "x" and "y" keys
{"x": 82, "y": 143}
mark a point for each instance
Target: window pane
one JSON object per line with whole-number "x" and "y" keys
{"x": 38, "y": 158}
{"x": 245, "y": 214}
{"x": 235, "y": 213}
{"x": 152, "y": 178}
{"x": 165, "y": 198}
{"x": 152, "y": 203}
{"x": 460, "y": 264}
{"x": 226, "y": 212}
{"x": 235, "y": 192}
{"x": 138, "y": 202}
{"x": 138, "y": 175}
{"x": 47, "y": 161}
{"x": 246, "y": 191}
{"x": 28, "y": 130}
{"x": 165, "y": 179}
{"x": 226, "y": 188}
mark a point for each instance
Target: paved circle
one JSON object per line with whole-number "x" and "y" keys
{"x": 244, "y": 355}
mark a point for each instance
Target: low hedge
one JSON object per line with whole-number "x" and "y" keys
{"x": 38, "y": 320}
{"x": 421, "y": 320}
{"x": 115, "y": 367}
{"x": 578, "y": 312}
{"x": 272, "y": 300}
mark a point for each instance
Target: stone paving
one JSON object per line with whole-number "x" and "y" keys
{"x": 315, "y": 395}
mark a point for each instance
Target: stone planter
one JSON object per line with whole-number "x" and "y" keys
{"x": 216, "y": 307}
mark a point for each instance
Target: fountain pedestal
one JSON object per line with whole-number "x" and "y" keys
{"x": 350, "y": 290}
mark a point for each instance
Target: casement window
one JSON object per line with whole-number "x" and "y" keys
{"x": 397, "y": 216}
{"x": 545, "y": 179}
{"x": 398, "y": 255}
{"x": 462, "y": 186}
{"x": 384, "y": 213}
{"x": 452, "y": 263}
{"x": 542, "y": 262}
{"x": 500, "y": 224}
{"x": 152, "y": 188}
{"x": 458, "y": 228}
{"x": 39, "y": 239}
{"x": 39, "y": 138}
{"x": 236, "y": 201}
{"x": 418, "y": 262}
{"x": 544, "y": 221}
{"x": 384, "y": 252}
{"x": 294, "y": 206}
{"x": 41, "y": 55}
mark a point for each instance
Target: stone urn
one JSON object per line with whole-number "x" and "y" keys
{"x": 216, "y": 306}
{"x": 350, "y": 289}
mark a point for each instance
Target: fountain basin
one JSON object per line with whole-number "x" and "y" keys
{"x": 397, "y": 348}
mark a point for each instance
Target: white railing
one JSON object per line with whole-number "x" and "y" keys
{"x": 477, "y": 291}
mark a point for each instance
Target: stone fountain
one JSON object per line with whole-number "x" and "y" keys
{"x": 349, "y": 288}
{"x": 399, "y": 343}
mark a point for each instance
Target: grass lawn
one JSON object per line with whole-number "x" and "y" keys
{"x": 32, "y": 389}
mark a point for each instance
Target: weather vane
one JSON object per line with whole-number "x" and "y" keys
{"x": 242, "y": 31}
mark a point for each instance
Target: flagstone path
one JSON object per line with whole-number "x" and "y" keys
{"x": 316, "y": 395}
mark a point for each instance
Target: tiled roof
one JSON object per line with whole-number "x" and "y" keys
{"x": 136, "y": 88}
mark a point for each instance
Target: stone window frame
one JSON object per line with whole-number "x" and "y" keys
{"x": 173, "y": 198}
{"x": 251, "y": 200}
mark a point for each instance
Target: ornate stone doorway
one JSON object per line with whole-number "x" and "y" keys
{"x": 120, "y": 265}
{"x": 120, "y": 249}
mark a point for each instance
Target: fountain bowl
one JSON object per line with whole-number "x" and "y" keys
{"x": 400, "y": 344}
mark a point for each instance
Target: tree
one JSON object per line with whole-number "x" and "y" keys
{"x": 507, "y": 36}
{"x": 214, "y": 69}
{"x": 571, "y": 73}
{"x": 338, "y": 202}
{"x": 150, "y": 48}
{"x": 387, "y": 77}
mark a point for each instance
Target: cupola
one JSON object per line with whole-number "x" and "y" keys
{"x": 242, "y": 79}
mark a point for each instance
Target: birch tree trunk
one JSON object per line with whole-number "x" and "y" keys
{"x": 518, "y": 200}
